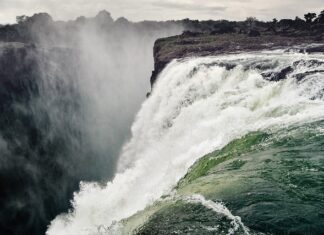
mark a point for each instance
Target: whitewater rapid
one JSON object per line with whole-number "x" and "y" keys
{"x": 197, "y": 105}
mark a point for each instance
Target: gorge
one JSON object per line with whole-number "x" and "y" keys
{"x": 228, "y": 141}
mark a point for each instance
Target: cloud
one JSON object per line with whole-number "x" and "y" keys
{"x": 161, "y": 9}
{"x": 191, "y": 7}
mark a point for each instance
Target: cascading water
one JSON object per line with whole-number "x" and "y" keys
{"x": 198, "y": 105}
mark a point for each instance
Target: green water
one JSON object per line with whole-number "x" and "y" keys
{"x": 273, "y": 180}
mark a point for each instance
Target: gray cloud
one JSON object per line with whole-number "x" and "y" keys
{"x": 161, "y": 9}
{"x": 193, "y": 7}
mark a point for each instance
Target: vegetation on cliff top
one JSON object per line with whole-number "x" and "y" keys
{"x": 205, "y": 38}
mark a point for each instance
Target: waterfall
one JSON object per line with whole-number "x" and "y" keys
{"x": 198, "y": 105}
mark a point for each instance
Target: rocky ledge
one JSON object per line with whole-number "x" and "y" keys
{"x": 191, "y": 44}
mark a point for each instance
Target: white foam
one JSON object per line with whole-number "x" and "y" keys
{"x": 220, "y": 208}
{"x": 190, "y": 114}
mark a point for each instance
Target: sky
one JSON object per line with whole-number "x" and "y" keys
{"x": 138, "y": 10}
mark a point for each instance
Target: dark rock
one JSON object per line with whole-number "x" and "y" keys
{"x": 301, "y": 76}
{"x": 157, "y": 69}
{"x": 205, "y": 44}
{"x": 36, "y": 161}
{"x": 315, "y": 49}
{"x": 190, "y": 34}
{"x": 308, "y": 63}
{"x": 277, "y": 76}
{"x": 18, "y": 67}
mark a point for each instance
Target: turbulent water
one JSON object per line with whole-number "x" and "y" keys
{"x": 200, "y": 105}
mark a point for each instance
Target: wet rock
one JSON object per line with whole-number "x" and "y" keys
{"x": 315, "y": 49}
{"x": 301, "y": 76}
{"x": 204, "y": 44}
{"x": 277, "y": 76}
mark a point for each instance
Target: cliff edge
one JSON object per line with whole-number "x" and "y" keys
{"x": 192, "y": 44}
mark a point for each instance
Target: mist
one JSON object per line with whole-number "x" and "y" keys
{"x": 82, "y": 83}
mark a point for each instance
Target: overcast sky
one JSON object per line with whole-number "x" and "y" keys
{"x": 137, "y": 10}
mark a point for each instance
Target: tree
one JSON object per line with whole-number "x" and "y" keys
{"x": 251, "y": 21}
{"x": 81, "y": 20}
{"x": 104, "y": 18}
{"x": 273, "y": 25}
{"x": 21, "y": 19}
{"x": 320, "y": 18}
{"x": 298, "y": 19}
{"x": 299, "y": 23}
{"x": 309, "y": 17}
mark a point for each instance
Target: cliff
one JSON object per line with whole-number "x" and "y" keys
{"x": 18, "y": 67}
{"x": 191, "y": 44}
{"x": 32, "y": 165}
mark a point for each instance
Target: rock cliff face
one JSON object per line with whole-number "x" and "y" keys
{"x": 18, "y": 64}
{"x": 206, "y": 44}
{"x": 32, "y": 165}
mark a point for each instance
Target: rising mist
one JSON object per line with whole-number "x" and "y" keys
{"x": 80, "y": 84}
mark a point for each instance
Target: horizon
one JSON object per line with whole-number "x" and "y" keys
{"x": 163, "y": 10}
